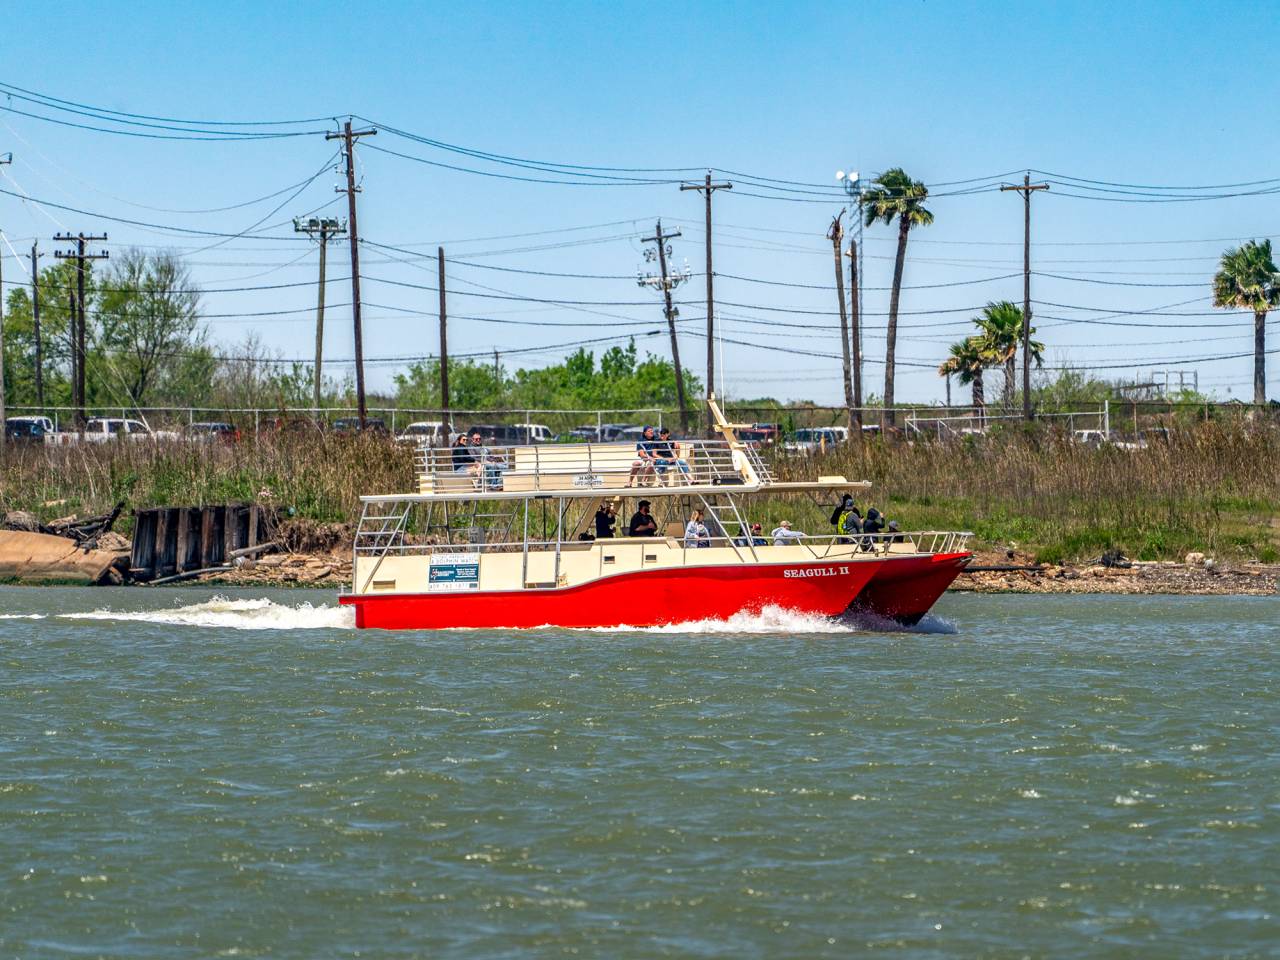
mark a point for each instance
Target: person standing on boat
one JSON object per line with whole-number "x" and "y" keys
{"x": 642, "y": 524}
{"x": 695, "y": 532}
{"x": 643, "y": 464}
{"x": 664, "y": 453}
{"x": 605, "y": 519}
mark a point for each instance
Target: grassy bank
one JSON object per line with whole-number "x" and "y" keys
{"x": 1214, "y": 487}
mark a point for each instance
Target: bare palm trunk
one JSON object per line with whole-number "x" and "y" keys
{"x": 1260, "y": 357}
{"x": 979, "y": 399}
{"x": 891, "y": 335}
{"x": 844, "y": 331}
{"x": 1009, "y": 382}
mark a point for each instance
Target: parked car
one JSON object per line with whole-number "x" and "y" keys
{"x": 349, "y": 425}
{"x": 510, "y": 435}
{"x": 431, "y": 433}
{"x": 45, "y": 423}
{"x": 808, "y": 440}
{"x": 106, "y": 429}
{"x": 25, "y": 430}
{"x": 212, "y": 430}
{"x": 769, "y": 433}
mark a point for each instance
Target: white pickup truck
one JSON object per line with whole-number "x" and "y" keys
{"x": 104, "y": 429}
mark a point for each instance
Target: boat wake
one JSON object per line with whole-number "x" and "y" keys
{"x": 868, "y": 622}
{"x": 239, "y": 614}
{"x": 770, "y": 620}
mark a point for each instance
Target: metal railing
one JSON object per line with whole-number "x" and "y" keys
{"x": 817, "y": 547}
{"x": 596, "y": 466}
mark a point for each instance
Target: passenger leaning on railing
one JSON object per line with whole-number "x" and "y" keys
{"x": 783, "y": 534}
{"x": 664, "y": 456}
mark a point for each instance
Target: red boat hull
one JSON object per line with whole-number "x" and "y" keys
{"x": 905, "y": 588}
{"x": 642, "y": 599}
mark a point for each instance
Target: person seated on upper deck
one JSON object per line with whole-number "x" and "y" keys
{"x": 605, "y": 519}
{"x": 755, "y": 540}
{"x": 664, "y": 456}
{"x": 695, "y": 532}
{"x": 642, "y": 524}
{"x": 642, "y": 466}
{"x": 784, "y": 535}
{"x": 489, "y": 461}
{"x": 463, "y": 459}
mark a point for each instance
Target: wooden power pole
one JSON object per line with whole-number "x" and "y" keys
{"x": 320, "y": 229}
{"x": 1026, "y": 189}
{"x": 855, "y": 329}
{"x": 444, "y": 350}
{"x": 666, "y": 282}
{"x": 349, "y": 137}
{"x": 707, "y": 188}
{"x": 35, "y": 324}
{"x": 835, "y": 235}
{"x": 78, "y": 319}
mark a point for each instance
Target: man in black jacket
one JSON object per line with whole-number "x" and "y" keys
{"x": 642, "y": 524}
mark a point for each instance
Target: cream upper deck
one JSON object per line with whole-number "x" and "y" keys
{"x": 574, "y": 470}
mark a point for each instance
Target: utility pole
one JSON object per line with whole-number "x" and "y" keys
{"x": 444, "y": 349}
{"x": 852, "y": 183}
{"x": 321, "y": 228}
{"x": 7, "y": 158}
{"x": 1026, "y": 189}
{"x": 835, "y": 235}
{"x": 78, "y": 321}
{"x": 707, "y": 188}
{"x": 855, "y": 325}
{"x": 349, "y": 137}
{"x": 35, "y": 323}
{"x": 666, "y": 282}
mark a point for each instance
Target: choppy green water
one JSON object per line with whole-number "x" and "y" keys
{"x": 1057, "y": 777}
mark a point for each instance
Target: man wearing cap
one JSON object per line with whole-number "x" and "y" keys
{"x": 642, "y": 524}
{"x": 784, "y": 535}
{"x": 643, "y": 464}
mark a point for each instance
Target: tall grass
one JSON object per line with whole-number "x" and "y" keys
{"x": 1212, "y": 487}
{"x": 319, "y": 476}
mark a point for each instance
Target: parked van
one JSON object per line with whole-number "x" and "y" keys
{"x": 431, "y": 433}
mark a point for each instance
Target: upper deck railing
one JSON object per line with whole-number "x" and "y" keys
{"x": 541, "y": 468}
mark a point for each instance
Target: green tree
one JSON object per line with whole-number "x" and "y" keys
{"x": 1247, "y": 280}
{"x": 895, "y": 195}
{"x": 967, "y": 361}
{"x": 1001, "y": 326}
{"x": 472, "y": 386}
{"x": 56, "y": 283}
{"x": 152, "y": 343}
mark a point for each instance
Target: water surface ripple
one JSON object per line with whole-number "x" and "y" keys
{"x": 1032, "y": 776}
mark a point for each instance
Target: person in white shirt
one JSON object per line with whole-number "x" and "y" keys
{"x": 783, "y": 534}
{"x": 695, "y": 532}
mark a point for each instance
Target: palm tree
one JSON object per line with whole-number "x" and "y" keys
{"x": 1247, "y": 280}
{"x": 1001, "y": 326}
{"x": 895, "y": 195}
{"x": 968, "y": 359}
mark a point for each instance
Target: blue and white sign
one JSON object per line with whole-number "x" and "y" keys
{"x": 452, "y": 572}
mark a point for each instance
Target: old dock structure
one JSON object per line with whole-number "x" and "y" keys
{"x": 180, "y": 541}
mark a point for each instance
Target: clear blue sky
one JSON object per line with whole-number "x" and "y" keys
{"x": 1135, "y": 93}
